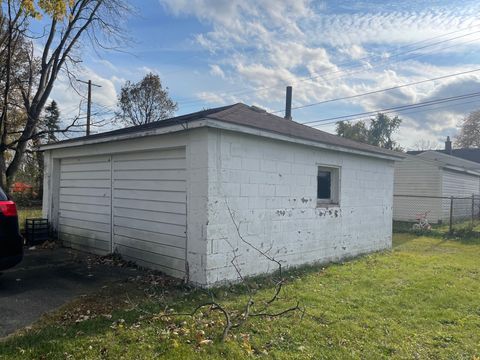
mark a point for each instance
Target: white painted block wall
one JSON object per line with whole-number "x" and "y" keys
{"x": 271, "y": 186}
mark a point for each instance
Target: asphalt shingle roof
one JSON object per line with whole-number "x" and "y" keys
{"x": 465, "y": 153}
{"x": 250, "y": 116}
{"x": 449, "y": 160}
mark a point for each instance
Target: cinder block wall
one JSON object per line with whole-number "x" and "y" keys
{"x": 270, "y": 187}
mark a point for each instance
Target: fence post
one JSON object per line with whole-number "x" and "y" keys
{"x": 451, "y": 215}
{"x": 473, "y": 209}
{"x": 478, "y": 206}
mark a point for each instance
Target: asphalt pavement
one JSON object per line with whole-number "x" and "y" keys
{"x": 47, "y": 279}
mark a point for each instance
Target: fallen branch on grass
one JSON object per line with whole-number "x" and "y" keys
{"x": 242, "y": 318}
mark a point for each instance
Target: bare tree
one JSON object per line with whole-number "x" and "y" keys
{"x": 426, "y": 145}
{"x": 71, "y": 24}
{"x": 469, "y": 136}
{"x": 145, "y": 101}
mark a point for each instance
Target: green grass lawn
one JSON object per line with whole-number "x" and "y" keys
{"x": 418, "y": 301}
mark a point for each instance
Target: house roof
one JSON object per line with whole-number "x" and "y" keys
{"x": 449, "y": 161}
{"x": 244, "y": 115}
{"x": 465, "y": 153}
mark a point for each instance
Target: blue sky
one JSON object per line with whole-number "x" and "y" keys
{"x": 215, "y": 52}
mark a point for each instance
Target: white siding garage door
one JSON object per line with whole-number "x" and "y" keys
{"x": 84, "y": 220}
{"x": 149, "y": 209}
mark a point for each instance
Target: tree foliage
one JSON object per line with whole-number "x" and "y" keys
{"x": 469, "y": 136}
{"x": 379, "y": 132}
{"x": 145, "y": 101}
{"x": 50, "y": 124}
{"x": 28, "y": 73}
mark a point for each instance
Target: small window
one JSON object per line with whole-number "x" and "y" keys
{"x": 328, "y": 184}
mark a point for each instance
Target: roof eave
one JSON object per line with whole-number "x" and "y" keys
{"x": 214, "y": 123}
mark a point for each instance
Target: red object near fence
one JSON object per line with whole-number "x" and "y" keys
{"x": 20, "y": 187}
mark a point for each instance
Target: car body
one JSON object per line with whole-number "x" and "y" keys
{"x": 11, "y": 241}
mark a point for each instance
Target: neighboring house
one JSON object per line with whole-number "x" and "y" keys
{"x": 160, "y": 194}
{"x": 471, "y": 154}
{"x": 424, "y": 183}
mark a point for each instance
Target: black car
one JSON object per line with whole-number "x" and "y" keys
{"x": 11, "y": 242}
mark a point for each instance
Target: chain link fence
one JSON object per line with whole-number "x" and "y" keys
{"x": 440, "y": 213}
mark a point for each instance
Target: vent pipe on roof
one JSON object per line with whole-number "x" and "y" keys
{"x": 448, "y": 146}
{"x": 288, "y": 104}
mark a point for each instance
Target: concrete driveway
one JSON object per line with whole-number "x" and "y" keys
{"x": 47, "y": 279}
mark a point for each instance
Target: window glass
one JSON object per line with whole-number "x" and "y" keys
{"x": 324, "y": 183}
{"x": 328, "y": 186}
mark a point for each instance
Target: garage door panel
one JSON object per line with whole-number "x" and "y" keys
{"x": 154, "y": 258}
{"x": 87, "y": 243}
{"x": 86, "y": 208}
{"x": 161, "y": 206}
{"x": 176, "y": 153}
{"x": 85, "y": 204}
{"x": 153, "y": 226}
{"x": 163, "y": 217}
{"x": 133, "y": 203}
{"x": 163, "y": 239}
{"x": 161, "y": 185}
{"x": 167, "y": 164}
{"x": 83, "y": 199}
{"x": 99, "y": 184}
{"x": 76, "y": 231}
{"x": 84, "y": 191}
{"x": 156, "y": 266}
{"x": 152, "y": 247}
{"x": 149, "y": 208}
{"x": 91, "y": 226}
{"x": 149, "y": 174}
{"x": 98, "y": 218}
{"x": 140, "y": 194}
{"x": 85, "y": 175}
{"x": 96, "y": 159}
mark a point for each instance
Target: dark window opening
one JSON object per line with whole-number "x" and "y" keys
{"x": 324, "y": 185}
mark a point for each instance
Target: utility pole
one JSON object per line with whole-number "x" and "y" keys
{"x": 89, "y": 101}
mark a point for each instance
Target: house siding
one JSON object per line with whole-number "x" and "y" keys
{"x": 417, "y": 178}
{"x": 458, "y": 184}
{"x": 270, "y": 187}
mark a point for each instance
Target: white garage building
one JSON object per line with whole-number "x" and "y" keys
{"x": 424, "y": 183}
{"x": 159, "y": 194}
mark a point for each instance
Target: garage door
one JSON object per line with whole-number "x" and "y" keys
{"x": 84, "y": 220}
{"x": 149, "y": 209}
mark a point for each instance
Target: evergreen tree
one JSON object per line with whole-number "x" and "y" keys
{"x": 51, "y": 122}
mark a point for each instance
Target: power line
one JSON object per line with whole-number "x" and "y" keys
{"x": 396, "y": 108}
{"x": 380, "y": 90}
{"x": 315, "y": 76}
{"x": 401, "y": 111}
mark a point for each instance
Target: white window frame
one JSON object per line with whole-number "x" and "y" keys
{"x": 335, "y": 176}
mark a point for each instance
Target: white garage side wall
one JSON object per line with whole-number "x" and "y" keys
{"x": 271, "y": 186}
{"x": 460, "y": 185}
{"x": 417, "y": 177}
{"x": 195, "y": 143}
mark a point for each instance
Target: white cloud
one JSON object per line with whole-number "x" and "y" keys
{"x": 216, "y": 70}
{"x": 267, "y": 45}
{"x": 72, "y": 102}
